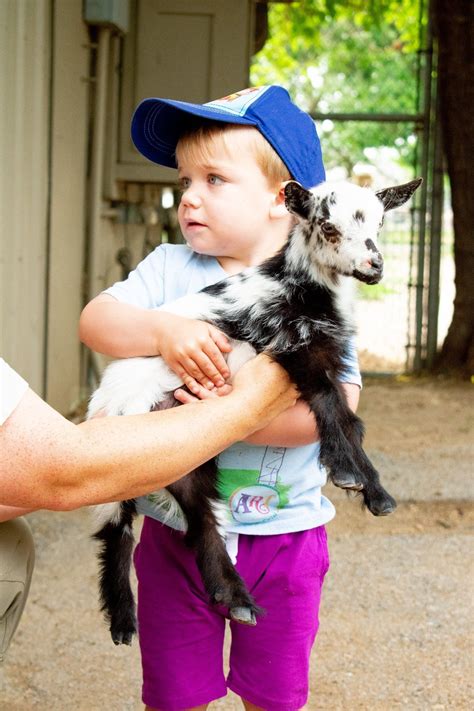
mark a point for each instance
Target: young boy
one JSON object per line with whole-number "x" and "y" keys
{"x": 233, "y": 157}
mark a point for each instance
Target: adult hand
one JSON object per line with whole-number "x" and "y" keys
{"x": 260, "y": 381}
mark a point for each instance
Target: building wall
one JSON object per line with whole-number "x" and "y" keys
{"x": 43, "y": 142}
{"x": 25, "y": 43}
{"x": 46, "y": 127}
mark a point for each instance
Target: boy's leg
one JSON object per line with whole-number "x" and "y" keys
{"x": 17, "y": 556}
{"x": 269, "y": 663}
{"x": 195, "y": 708}
{"x": 181, "y": 636}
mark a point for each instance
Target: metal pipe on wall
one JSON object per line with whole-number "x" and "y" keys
{"x": 95, "y": 276}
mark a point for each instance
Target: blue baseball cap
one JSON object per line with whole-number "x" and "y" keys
{"x": 157, "y": 125}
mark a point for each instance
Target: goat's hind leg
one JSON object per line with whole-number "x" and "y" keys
{"x": 196, "y": 494}
{"x": 115, "y": 558}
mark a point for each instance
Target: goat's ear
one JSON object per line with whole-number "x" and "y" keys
{"x": 398, "y": 195}
{"x": 298, "y": 200}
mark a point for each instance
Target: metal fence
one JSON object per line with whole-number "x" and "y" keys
{"x": 374, "y": 102}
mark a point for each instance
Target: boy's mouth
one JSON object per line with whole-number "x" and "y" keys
{"x": 194, "y": 224}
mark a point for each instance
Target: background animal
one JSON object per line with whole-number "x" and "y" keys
{"x": 295, "y": 306}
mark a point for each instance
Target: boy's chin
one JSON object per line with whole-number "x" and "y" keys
{"x": 199, "y": 248}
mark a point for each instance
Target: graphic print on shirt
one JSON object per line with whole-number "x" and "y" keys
{"x": 255, "y": 495}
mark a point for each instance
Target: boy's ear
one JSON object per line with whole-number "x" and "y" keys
{"x": 278, "y": 208}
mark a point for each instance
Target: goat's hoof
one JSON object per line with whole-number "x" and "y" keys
{"x": 123, "y": 635}
{"x": 382, "y": 507}
{"x": 347, "y": 480}
{"x": 122, "y": 638}
{"x": 244, "y": 615}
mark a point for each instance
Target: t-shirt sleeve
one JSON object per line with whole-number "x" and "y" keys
{"x": 144, "y": 286}
{"x": 351, "y": 372}
{"x": 12, "y": 389}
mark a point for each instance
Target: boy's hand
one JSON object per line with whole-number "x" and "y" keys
{"x": 201, "y": 393}
{"x": 193, "y": 349}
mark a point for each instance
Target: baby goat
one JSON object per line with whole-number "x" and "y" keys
{"x": 292, "y": 307}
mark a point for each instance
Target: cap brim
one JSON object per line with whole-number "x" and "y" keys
{"x": 158, "y": 124}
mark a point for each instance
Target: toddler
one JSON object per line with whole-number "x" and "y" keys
{"x": 233, "y": 157}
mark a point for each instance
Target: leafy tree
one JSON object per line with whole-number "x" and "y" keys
{"x": 341, "y": 55}
{"x": 334, "y": 60}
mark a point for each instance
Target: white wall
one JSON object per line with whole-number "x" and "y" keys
{"x": 24, "y": 183}
{"x": 43, "y": 142}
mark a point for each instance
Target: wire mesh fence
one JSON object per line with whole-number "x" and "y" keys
{"x": 370, "y": 86}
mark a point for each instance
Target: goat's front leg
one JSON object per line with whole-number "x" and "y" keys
{"x": 341, "y": 433}
{"x": 197, "y": 496}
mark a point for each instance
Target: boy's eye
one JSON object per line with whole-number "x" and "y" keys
{"x": 184, "y": 183}
{"x": 215, "y": 180}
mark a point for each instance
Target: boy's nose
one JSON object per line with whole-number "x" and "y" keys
{"x": 190, "y": 197}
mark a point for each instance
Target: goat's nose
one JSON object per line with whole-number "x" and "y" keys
{"x": 376, "y": 261}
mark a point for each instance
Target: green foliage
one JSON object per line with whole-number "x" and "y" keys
{"x": 347, "y": 57}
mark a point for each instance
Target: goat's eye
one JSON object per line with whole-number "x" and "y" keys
{"x": 330, "y": 230}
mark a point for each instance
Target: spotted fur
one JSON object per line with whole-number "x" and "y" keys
{"x": 294, "y": 306}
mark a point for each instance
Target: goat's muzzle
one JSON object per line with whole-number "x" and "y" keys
{"x": 373, "y": 272}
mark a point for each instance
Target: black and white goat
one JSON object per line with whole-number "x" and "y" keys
{"x": 291, "y": 306}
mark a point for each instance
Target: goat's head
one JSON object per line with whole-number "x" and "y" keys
{"x": 339, "y": 223}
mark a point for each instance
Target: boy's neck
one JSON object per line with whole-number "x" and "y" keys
{"x": 261, "y": 252}
{"x": 233, "y": 266}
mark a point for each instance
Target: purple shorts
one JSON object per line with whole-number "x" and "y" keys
{"x": 181, "y": 634}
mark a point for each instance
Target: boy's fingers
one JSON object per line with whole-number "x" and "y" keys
{"x": 192, "y": 374}
{"x": 220, "y": 339}
{"x": 220, "y": 369}
{"x": 211, "y": 375}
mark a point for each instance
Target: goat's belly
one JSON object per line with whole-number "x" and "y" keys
{"x": 133, "y": 386}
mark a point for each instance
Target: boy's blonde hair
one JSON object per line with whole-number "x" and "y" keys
{"x": 198, "y": 143}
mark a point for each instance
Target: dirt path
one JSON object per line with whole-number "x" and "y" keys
{"x": 397, "y": 611}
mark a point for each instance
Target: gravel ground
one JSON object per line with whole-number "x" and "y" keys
{"x": 397, "y": 607}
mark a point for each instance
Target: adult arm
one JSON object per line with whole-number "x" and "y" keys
{"x": 47, "y": 462}
{"x": 293, "y": 428}
{"x": 296, "y": 427}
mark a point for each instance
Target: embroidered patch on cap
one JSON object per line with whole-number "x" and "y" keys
{"x": 239, "y": 102}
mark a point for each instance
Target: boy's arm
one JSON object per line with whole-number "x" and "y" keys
{"x": 192, "y": 348}
{"x": 118, "y": 329}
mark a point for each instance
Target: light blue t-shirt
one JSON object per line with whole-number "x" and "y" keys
{"x": 267, "y": 490}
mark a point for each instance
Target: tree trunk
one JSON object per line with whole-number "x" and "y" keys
{"x": 454, "y": 30}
